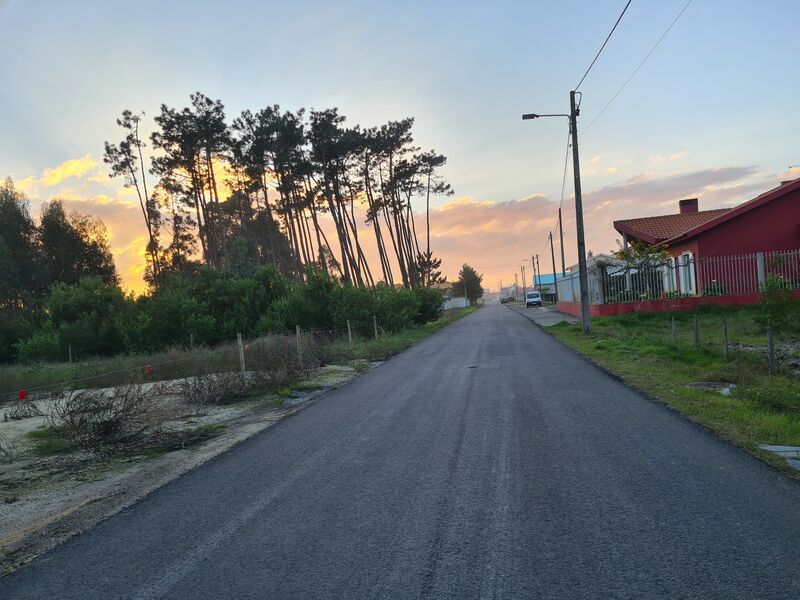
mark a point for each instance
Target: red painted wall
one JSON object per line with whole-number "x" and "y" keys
{"x": 772, "y": 226}
{"x": 651, "y": 306}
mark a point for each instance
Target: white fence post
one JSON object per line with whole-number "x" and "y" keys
{"x": 762, "y": 274}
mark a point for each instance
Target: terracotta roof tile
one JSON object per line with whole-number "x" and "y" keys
{"x": 665, "y": 227}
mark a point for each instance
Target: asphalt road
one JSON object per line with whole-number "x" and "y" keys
{"x": 488, "y": 461}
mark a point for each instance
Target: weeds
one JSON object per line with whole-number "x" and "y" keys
{"x": 48, "y": 442}
{"x": 97, "y": 419}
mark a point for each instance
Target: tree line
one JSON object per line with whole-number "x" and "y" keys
{"x": 249, "y": 257}
{"x": 286, "y": 170}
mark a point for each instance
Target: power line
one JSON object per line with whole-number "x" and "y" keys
{"x": 596, "y": 56}
{"x": 636, "y": 70}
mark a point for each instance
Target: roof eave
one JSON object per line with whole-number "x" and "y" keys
{"x": 635, "y": 233}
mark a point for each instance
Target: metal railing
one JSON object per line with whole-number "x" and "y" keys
{"x": 614, "y": 281}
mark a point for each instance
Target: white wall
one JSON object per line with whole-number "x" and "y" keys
{"x": 459, "y": 302}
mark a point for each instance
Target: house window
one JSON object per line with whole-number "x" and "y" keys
{"x": 686, "y": 273}
{"x": 668, "y": 274}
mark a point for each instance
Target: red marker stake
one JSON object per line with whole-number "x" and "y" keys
{"x": 22, "y": 395}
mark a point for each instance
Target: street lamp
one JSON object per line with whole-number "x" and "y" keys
{"x": 583, "y": 273}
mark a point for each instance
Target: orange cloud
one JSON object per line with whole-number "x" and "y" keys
{"x": 77, "y": 168}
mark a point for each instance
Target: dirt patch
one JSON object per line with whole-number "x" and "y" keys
{"x": 45, "y": 500}
{"x": 786, "y": 354}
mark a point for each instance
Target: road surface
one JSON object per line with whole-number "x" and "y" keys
{"x": 488, "y": 461}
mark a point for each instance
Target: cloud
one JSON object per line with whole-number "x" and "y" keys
{"x": 657, "y": 159}
{"x": 74, "y": 168}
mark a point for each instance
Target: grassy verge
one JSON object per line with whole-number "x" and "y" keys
{"x": 385, "y": 347}
{"x": 762, "y": 409}
{"x": 178, "y": 363}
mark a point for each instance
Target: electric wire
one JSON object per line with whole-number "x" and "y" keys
{"x": 636, "y": 70}
{"x": 610, "y": 33}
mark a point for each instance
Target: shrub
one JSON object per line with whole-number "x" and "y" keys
{"x": 40, "y": 347}
{"x": 213, "y": 388}
{"x": 96, "y": 419}
{"x": 395, "y": 309}
{"x": 355, "y": 304}
{"x": 89, "y": 315}
{"x": 431, "y": 304}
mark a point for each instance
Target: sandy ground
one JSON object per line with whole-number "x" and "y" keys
{"x": 46, "y": 500}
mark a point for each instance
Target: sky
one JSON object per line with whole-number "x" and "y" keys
{"x": 711, "y": 114}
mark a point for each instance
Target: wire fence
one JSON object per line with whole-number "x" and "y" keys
{"x": 613, "y": 281}
{"x": 277, "y": 353}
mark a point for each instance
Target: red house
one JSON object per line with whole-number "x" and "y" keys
{"x": 697, "y": 240}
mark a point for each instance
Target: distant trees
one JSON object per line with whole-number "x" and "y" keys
{"x": 469, "y": 284}
{"x": 285, "y": 170}
{"x": 61, "y": 248}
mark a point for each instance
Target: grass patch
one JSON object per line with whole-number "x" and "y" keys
{"x": 763, "y": 409}
{"x": 385, "y": 347}
{"x": 210, "y": 428}
{"x": 49, "y": 442}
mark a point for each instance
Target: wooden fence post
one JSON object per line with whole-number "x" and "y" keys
{"x": 349, "y": 335}
{"x": 241, "y": 352}
{"x": 375, "y": 326}
{"x": 725, "y": 337}
{"x": 771, "y": 351}
{"x": 70, "y": 354}
{"x": 299, "y": 345}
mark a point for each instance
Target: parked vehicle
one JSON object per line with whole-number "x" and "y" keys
{"x": 507, "y": 299}
{"x": 533, "y": 298}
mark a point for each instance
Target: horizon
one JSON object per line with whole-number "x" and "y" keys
{"x": 654, "y": 145}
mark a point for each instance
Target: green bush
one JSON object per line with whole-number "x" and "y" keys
{"x": 356, "y": 305}
{"x": 40, "y": 347}
{"x": 395, "y": 309}
{"x": 431, "y": 304}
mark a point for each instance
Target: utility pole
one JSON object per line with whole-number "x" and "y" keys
{"x": 539, "y": 270}
{"x": 576, "y": 167}
{"x": 501, "y": 289}
{"x": 516, "y": 288}
{"x": 561, "y": 233}
{"x": 553, "y": 257}
{"x": 524, "y": 288}
{"x": 576, "y": 171}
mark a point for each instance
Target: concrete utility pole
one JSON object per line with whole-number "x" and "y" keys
{"x": 539, "y": 270}
{"x": 524, "y": 288}
{"x": 561, "y": 234}
{"x": 553, "y": 257}
{"x": 516, "y": 288}
{"x": 576, "y": 167}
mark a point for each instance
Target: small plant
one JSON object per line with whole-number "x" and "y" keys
{"x": 714, "y": 289}
{"x": 361, "y": 366}
{"x": 48, "y": 442}
{"x": 8, "y": 451}
{"x": 213, "y": 388}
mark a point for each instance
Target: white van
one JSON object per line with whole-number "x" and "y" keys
{"x": 533, "y": 298}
